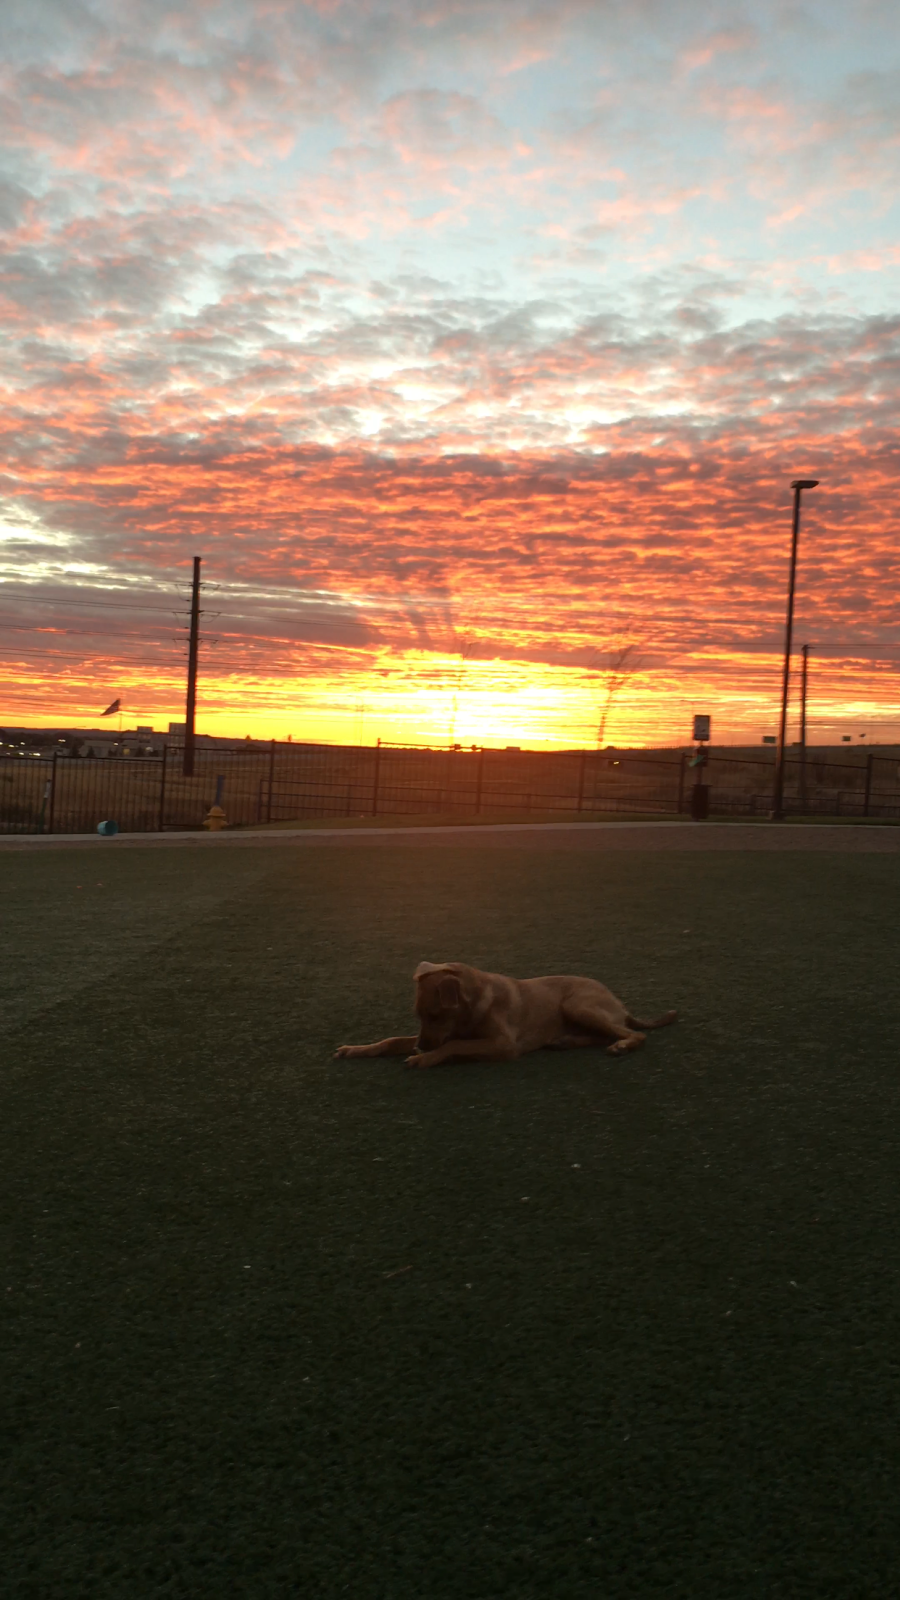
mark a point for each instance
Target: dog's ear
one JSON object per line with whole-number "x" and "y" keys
{"x": 424, "y": 967}
{"x": 450, "y": 991}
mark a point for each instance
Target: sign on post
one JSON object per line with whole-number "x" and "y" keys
{"x": 701, "y": 729}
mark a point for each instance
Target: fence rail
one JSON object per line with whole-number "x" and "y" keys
{"x": 286, "y": 783}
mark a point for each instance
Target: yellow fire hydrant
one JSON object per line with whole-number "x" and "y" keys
{"x": 215, "y": 819}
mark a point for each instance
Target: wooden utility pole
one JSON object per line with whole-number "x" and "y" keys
{"x": 777, "y": 812}
{"x": 191, "y": 707}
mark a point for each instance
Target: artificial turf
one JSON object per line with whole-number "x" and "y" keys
{"x": 277, "y": 1325}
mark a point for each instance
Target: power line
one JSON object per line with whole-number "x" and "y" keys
{"x": 71, "y": 633}
{"x": 114, "y": 605}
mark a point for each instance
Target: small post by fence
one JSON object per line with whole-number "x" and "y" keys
{"x": 162, "y": 791}
{"x": 682, "y": 772}
{"x": 479, "y": 781}
{"x": 42, "y": 814}
{"x": 52, "y": 795}
{"x": 582, "y": 769}
{"x": 870, "y": 762}
{"x": 377, "y": 778}
{"x": 271, "y": 781}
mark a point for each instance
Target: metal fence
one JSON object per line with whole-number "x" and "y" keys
{"x": 288, "y": 782}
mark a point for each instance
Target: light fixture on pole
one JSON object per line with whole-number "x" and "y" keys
{"x": 777, "y": 812}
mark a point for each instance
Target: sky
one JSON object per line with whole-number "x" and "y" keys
{"x": 473, "y": 344}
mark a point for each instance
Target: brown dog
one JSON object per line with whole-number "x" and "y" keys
{"x": 467, "y": 1015}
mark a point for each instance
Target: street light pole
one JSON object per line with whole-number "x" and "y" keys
{"x": 193, "y": 650}
{"x": 777, "y": 812}
{"x": 803, "y": 729}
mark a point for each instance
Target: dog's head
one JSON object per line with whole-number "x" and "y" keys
{"x": 439, "y": 1003}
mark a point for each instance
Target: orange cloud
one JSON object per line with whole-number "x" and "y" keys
{"x": 459, "y": 343}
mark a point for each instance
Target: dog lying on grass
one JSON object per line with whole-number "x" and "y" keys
{"x": 467, "y": 1015}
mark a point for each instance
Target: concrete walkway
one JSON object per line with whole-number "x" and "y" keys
{"x": 517, "y": 835}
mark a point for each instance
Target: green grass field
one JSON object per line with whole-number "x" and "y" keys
{"x": 573, "y": 1327}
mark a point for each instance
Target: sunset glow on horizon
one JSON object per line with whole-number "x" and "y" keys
{"x": 474, "y": 347}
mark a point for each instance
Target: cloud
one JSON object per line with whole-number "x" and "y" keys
{"x": 441, "y": 325}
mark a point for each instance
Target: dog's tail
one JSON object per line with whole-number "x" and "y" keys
{"x": 645, "y": 1027}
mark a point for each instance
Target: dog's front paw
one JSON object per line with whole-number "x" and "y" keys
{"x": 345, "y": 1050}
{"x": 419, "y": 1060}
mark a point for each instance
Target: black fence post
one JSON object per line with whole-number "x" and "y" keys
{"x": 682, "y": 773}
{"x": 581, "y": 772}
{"x": 271, "y": 781}
{"x": 870, "y": 762}
{"x": 479, "y": 782}
{"x": 45, "y": 796}
{"x": 376, "y": 779}
{"x": 52, "y": 806}
{"x": 162, "y": 791}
